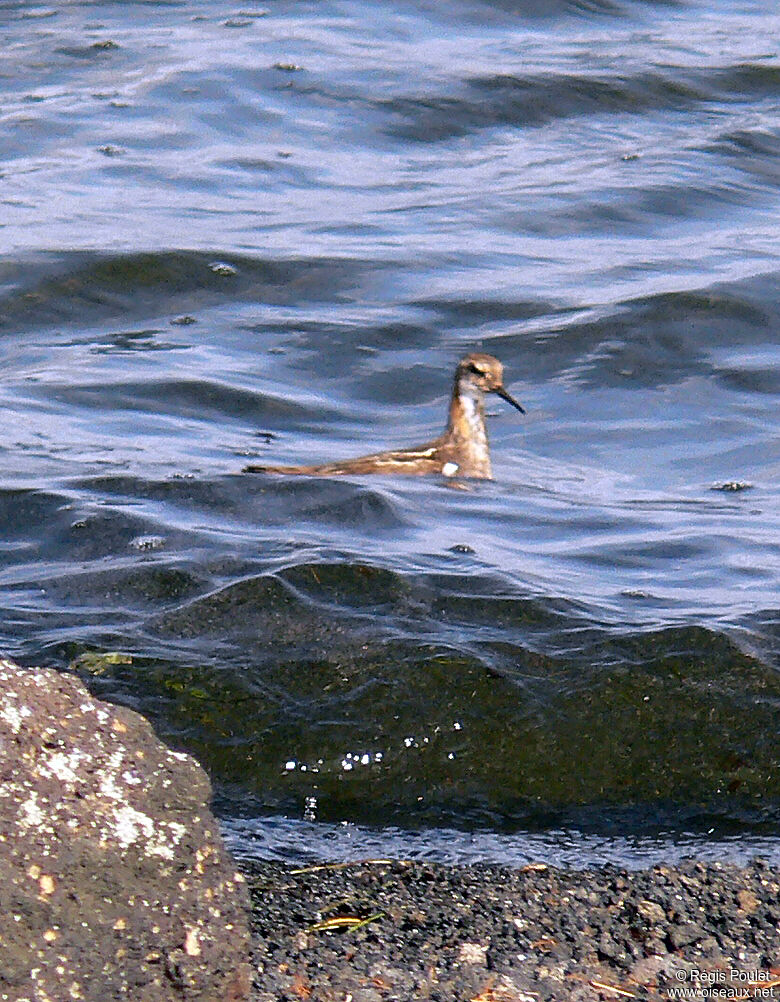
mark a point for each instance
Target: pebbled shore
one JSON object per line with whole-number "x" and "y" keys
{"x": 492, "y": 934}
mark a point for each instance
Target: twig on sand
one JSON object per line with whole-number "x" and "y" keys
{"x": 612, "y": 988}
{"x": 348, "y": 922}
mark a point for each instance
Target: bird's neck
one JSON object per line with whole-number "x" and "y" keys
{"x": 466, "y": 429}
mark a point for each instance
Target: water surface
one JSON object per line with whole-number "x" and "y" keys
{"x": 267, "y": 234}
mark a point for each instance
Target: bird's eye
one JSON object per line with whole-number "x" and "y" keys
{"x": 475, "y": 369}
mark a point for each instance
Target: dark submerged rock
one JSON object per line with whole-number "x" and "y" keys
{"x": 114, "y": 883}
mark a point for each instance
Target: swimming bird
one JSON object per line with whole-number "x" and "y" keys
{"x": 461, "y": 451}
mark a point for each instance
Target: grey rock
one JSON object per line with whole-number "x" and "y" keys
{"x": 114, "y": 883}
{"x": 683, "y": 935}
{"x": 651, "y": 912}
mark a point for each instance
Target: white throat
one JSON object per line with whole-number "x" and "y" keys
{"x": 472, "y": 408}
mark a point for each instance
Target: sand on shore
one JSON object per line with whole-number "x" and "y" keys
{"x": 381, "y": 930}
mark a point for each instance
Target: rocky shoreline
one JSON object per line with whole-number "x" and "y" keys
{"x": 381, "y": 930}
{"x": 115, "y": 884}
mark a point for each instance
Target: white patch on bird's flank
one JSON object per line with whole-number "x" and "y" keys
{"x": 450, "y": 469}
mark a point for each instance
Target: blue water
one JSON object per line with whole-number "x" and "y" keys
{"x": 266, "y": 234}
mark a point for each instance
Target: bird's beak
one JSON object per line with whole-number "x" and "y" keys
{"x": 501, "y": 392}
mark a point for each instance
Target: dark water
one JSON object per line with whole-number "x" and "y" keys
{"x": 242, "y": 233}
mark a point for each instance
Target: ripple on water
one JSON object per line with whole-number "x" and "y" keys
{"x": 79, "y": 287}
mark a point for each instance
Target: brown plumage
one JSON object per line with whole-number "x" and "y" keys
{"x": 461, "y": 451}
